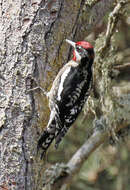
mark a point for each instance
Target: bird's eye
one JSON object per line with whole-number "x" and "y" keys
{"x": 78, "y": 48}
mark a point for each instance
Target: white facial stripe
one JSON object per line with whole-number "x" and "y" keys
{"x": 63, "y": 77}
{"x": 78, "y": 57}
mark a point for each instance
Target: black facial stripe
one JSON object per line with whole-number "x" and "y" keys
{"x": 79, "y": 48}
{"x": 82, "y": 51}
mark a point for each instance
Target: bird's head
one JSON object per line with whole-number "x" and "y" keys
{"x": 82, "y": 49}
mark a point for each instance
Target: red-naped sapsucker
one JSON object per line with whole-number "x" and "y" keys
{"x": 68, "y": 94}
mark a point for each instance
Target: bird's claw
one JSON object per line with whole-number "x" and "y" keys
{"x": 37, "y": 87}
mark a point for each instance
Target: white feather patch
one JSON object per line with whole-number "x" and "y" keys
{"x": 52, "y": 115}
{"x": 78, "y": 57}
{"x": 63, "y": 77}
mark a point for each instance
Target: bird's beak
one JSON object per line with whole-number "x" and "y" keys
{"x": 71, "y": 43}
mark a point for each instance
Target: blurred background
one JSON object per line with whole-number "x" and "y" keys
{"x": 108, "y": 168}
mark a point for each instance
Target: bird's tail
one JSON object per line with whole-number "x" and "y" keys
{"x": 47, "y": 137}
{"x": 63, "y": 131}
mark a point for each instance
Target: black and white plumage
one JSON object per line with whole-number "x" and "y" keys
{"x": 68, "y": 94}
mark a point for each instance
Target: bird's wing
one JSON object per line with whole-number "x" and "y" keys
{"x": 59, "y": 82}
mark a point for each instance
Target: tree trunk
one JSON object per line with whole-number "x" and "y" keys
{"x": 32, "y": 37}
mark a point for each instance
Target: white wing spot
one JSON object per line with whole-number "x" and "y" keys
{"x": 52, "y": 115}
{"x": 63, "y": 77}
{"x": 73, "y": 111}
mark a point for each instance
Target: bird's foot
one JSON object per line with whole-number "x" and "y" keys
{"x": 56, "y": 146}
{"x": 37, "y": 87}
{"x": 57, "y": 141}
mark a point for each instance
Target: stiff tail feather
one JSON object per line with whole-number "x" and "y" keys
{"x": 47, "y": 138}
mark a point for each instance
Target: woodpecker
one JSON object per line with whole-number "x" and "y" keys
{"x": 68, "y": 94}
